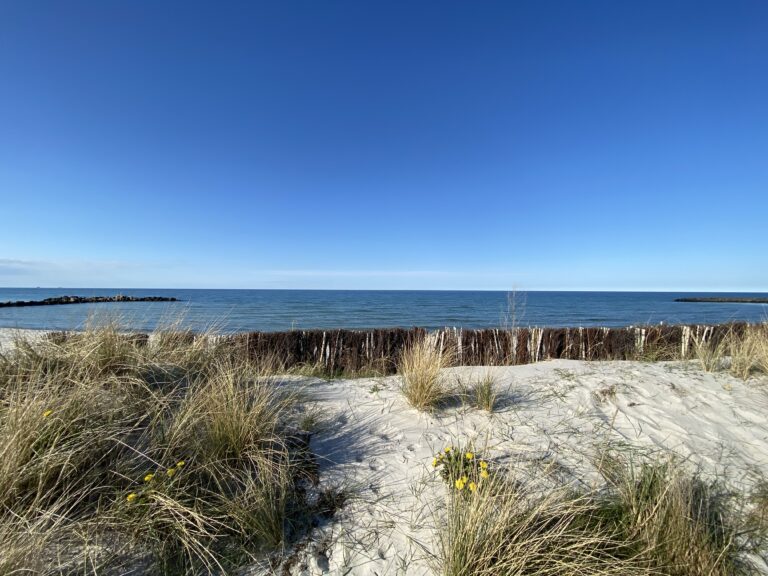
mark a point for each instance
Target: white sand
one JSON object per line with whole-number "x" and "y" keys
{"x": 555, "y": 413}
{"x": 9, "y": 335}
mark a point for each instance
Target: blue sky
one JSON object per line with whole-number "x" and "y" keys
{"x": 437, "y": 145}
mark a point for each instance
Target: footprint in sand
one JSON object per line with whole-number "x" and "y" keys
{"x": 396, "y": 436}
{"x": 434, "y": 440}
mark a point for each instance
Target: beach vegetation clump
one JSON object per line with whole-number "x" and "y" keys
{"x": 175, "y": 448}
{"x": 749, "y": 351}
{"x": 743, "y": 352}
{"x": 651, "y": 517}
{"x": 711, "y": 352}
{"x": 506, "y": 529}
{"x": 462, "y": 469}
{"x": 757, "y": 512}
{"x": 484, "y": 394}
{"x": 673, "y": 520}
{"x": 659, "y": 351}
{"x": 420, "y": 367}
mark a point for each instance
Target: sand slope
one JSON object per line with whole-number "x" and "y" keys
{"x": 554, "y": 414}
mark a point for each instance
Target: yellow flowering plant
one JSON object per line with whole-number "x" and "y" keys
{"x": 153, "y": 481}
{"x": 461, "y": 469}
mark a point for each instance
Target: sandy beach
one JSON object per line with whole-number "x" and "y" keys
{"x": 551, "y": 420}
{"x": 553, "y": 417}
{"x": 9, "y": 335}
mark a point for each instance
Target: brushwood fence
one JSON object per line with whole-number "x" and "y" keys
{"x": 379, "y": 350}
{"x": 350, "y": 351}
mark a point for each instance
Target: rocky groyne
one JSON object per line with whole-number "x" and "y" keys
{"x": 58, "y": 300}
{"x": 725, "y": 299}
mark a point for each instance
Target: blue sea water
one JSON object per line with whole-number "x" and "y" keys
{"x": 272, "y": 310}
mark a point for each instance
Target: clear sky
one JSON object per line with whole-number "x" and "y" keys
{"x": 611, "y": 145}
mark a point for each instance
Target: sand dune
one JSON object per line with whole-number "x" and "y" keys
{"x": 552, "y": 420}
{"x": 554, "y": 415}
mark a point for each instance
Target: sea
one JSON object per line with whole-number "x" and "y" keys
{"x": 228, "y": 311}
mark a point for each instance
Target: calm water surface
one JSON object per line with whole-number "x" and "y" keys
{"x": 270, "y": 310}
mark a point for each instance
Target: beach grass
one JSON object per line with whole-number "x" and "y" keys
{"x": 420, "y": 367}
{"x": 484, "y": 394}
{"x": 173, "y": 448}
{"x": 647, "y": 517}
{"x": 742, "y": 353}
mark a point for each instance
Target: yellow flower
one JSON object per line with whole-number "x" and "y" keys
{"x": 447, "y": 449}
{"x": 472, "y": 486}
{"x": 469, "y": 455}
{"x": 460, "y": 484}
{"x": 434, "y": 462}
{"x": 483, "y": 464}
{"x": 170, "y": 472}
{"x": 483, "y": 473}
{"x": 148, "y": 477}
{"x": 47, "y": 413}
{"x": 131, "y": 497}
{"x": 180, "y": 463}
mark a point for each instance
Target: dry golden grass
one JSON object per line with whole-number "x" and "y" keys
{"x": 175, "y": 448}
{"x": 501, "y": 530}
{"x": 749, "y": 352}
{"x": 420, "y": 368}
{"x": 744, "y": 352}
{"x": 711, "y": 354}
{"x": 649, "y": 518}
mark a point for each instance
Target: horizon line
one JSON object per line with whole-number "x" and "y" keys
{"x": 513, "y": 290}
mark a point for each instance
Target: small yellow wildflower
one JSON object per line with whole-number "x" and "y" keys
{"x": 469, "y": 455}
{"x": 472, "y": 486}
{"x": 131, "y": 497}
{"x": 148, "y": 477}
{"x": 434, "y": 462}
{"x": 180, "y": 463}
{"x": 483, "y": 473}
{"x": 47, "y": 413}
{"x": 483, "y": 464}
{"x": 460, "y": 484}
{"x": 170, "y": 472}
{"x": 447, "y": 449}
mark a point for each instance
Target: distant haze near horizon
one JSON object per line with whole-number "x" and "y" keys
{"x": 540, "y": 145}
